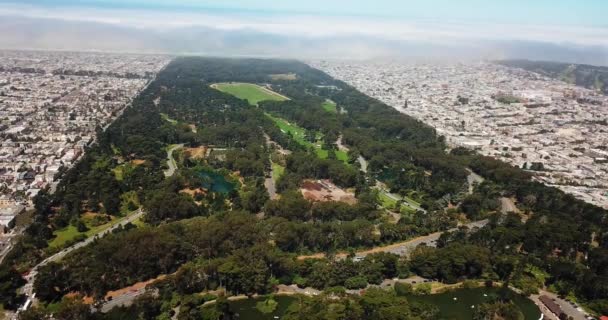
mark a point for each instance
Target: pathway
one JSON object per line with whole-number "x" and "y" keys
{"x": 28, "y": 288}
{"x": 171, "y": 161}
{"x": 472, "y": 179}
{"x": 401, "y": 248}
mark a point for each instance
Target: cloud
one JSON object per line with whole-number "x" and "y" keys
{"x": 316, "y": 26}
{"x": 299, "y": 36}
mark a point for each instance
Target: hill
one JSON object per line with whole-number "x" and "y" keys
{"x": 590, "y": 77}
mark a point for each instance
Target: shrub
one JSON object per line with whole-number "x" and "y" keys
{"x": 267, "y": 306}
{"x": 403, "y": 289}
{"x": 357, "y": 282}
{"x": 470, "y": 284}
{"x": 423, "y": 289}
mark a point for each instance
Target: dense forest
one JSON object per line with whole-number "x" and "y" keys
{"x": 590, "y": 77}
{"x": 246, "y": 241}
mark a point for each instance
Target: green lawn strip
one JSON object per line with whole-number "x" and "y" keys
{"x": 299, "y": 135}
{"x": 411, "y": 201}
{"x": 139, "y": 223}
{"x": 62, "y": 236}
{"x": 121, "y": 170}
{"x": 342, "y": 156}
{"x": 386, "y": 201}
{"x": 166, "y": 118}
{"x": 249, "y": 91}
{"x": 330, "y": 106}
{"x": 277, "y": 171}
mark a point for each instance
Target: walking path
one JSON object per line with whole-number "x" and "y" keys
{"x": 28, "y": 288}
{"x": 171, "y": 161}
{"x": 401, "y": 248}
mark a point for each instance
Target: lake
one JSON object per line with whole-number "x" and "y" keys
{"x": 246, "y": 309}
{"x": 459, "y": 309}
{"x": 215, "y": 182}
{"x": 465, "y": 298}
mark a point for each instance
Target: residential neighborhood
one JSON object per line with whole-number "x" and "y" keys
{"x": 51, "y": 105}
{"x": 555, "y": 130}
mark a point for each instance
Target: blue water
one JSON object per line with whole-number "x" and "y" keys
{"x": 215, "y": 182}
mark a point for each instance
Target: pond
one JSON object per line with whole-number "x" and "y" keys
{"x": 460, "y": 308}
{"x": 215, "y": 182}
{"x": 247, "y": 310}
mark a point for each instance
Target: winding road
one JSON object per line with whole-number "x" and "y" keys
{"x": 28, "y": 288}
{"x": 402, "y": 248}
{"x": 171, "y": 161}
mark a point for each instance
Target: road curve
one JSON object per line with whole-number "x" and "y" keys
{"x": 28, "y": 288}
{"x": 171, "y": 161}
{"x": 402, "y": 248}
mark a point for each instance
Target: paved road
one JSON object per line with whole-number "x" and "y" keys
{"x": 404, "y": 248}
{"x": 171, "y": 161}
{"x": 28, "y": 289}
{"x": 403, "y": 201}
{"x": 122, "y": 300}
{"x": 401, "y": 248}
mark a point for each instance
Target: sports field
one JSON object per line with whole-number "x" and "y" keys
{"x": 249, "y": 91}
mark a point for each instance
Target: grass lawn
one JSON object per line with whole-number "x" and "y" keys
{"x": 249, "y": 91}
{"x": 342, "y": 156}
{"x": 70, "y": 232}
{"x": 277, "y": 171}
{"x": 386, "y": 201}
{"x": 389, "y": 203}
{"x": 119, "y": 172}
{"x": 139, "y": 223}
{"x": 166, "y": 118}
{"x": 299, "y": 135}
{"x": 63, "y": 235}
{"x": 330, "y": 106}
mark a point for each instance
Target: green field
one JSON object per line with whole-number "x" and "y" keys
{"x": 166, "y": 118}
{"x": 299, "y": 135}
{"x": 63, "y": 235}
{"x": 390, "y": 203}
{"x": 69, "y": 233}
{"x": 248, "y": 91}
{"x": 277, "y": 171}
{"x": 330, "y": 106}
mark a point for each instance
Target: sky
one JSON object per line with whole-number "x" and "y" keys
{"x": 574, "y": 30}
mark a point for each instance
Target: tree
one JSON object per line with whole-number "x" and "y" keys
{"x": 357, "y": 282}
{"x": 403, "y": 289}
{"x": 10, "y": 281}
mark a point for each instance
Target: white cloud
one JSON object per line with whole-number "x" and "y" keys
{"x": 320, "y": 26}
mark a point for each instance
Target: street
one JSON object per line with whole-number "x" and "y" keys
{"x": 28, "y": 288}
